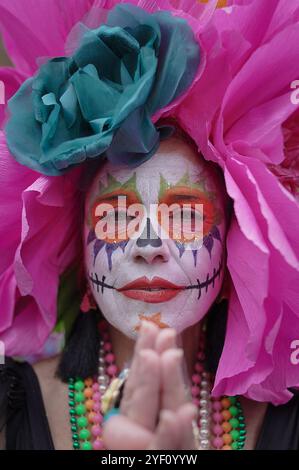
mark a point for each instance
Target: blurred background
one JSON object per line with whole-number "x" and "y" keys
{"x": 3, "y": 57}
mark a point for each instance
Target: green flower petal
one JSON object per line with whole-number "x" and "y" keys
{"x": 101, "y": 99}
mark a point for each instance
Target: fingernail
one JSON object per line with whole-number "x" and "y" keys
{"x": 178, "y": 353}
{"x": 144, "y": 354}
{"x": 165, "y": 415}
{"x": 193, "y": 410}
{"x": 141, "y": 329}
{"x": 144, "y": 326}
{"x": 145, "y": 360}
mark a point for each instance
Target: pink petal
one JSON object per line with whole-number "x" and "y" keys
{"x": 261, "y": 126}
{"x": 36, "y": 29}
{"x": 276, "y": 71}
{"x": 240, "y": 19}
{"x": 35, "y": 208}
{"x": 14, "y": 178}
{"x": 11, "y": 79}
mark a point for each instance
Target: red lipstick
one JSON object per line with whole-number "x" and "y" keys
{"x": 154, "y": 291}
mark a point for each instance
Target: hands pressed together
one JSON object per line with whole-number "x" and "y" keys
{"x": 155, "y": 411}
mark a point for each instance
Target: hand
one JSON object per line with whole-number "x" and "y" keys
{"x": 155, "y": 410}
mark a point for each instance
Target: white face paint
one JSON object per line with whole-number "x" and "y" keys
{"x": 174, "y": 174}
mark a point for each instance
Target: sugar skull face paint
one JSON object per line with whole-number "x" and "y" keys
{"x": 150, "y": 276}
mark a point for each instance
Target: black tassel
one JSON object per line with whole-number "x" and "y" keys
{"x": 215, "y": 335}
{"x": 12, "y": 392}
{"x": 80, "y": 355}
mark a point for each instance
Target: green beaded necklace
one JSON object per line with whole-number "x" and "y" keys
{"x": 81, "y": 435}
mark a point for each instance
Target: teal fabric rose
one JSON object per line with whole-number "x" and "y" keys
{"x": 100, "y": 100}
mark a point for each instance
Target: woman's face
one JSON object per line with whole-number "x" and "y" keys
{"x": 154, "y": 239}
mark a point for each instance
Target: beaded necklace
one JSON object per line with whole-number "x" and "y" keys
{"x": 221, "y": 422}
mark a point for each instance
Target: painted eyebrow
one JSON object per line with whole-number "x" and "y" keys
{"x": 111, "y": 197}
{"x": 182, "y": 196}
{"x": 179, "y": 197}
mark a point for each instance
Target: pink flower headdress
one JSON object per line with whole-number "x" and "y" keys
{"x": 240, "y": 113}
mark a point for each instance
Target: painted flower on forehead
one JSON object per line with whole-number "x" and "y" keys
{"x": 102, "y": 97}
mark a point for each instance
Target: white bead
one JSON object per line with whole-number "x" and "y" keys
{"x": 102, "y": 378}
{"x": 203, "y": 403}
{"x": 204, "y": 393}
{"x": 204, "y": 412}
{"x": 204, "y": 384}
{"x": 204, "y": 423}
{"x": 204, "y": 444}
{"x": 204, "y": 433}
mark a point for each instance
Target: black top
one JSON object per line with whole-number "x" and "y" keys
{"x": 27, "y": 427}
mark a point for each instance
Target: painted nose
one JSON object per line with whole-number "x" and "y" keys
{"x": 149, "y": 247}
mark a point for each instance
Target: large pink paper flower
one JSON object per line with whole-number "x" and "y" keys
{"x": 241, "y": 116}
{"x": 235, "y": 114}
{"x": 40, "y": 237}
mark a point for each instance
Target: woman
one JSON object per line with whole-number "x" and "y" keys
{"x": 151, "y": 277}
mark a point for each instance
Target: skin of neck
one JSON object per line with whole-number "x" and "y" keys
{"x": 188, "y": 341}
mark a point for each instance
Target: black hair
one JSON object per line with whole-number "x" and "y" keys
{"x": 216, "y": 323}
{"x": 80, "y": 355}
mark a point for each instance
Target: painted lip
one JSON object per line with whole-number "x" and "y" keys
{"x": 155, "y": 291}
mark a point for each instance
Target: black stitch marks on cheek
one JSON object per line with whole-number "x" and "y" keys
{"x": 207, "y": 282}
{"x": 199, "y": 289}
{"x": 205, "y": 285}
{"x": 96, "y": 283}
{"x": 102, "y": 287}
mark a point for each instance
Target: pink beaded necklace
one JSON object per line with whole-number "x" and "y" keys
{"x": 220, "y": 422}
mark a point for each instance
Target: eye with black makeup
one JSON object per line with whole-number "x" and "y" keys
{"x": 188, "y": 220}
{"x": 117, "y": 224}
